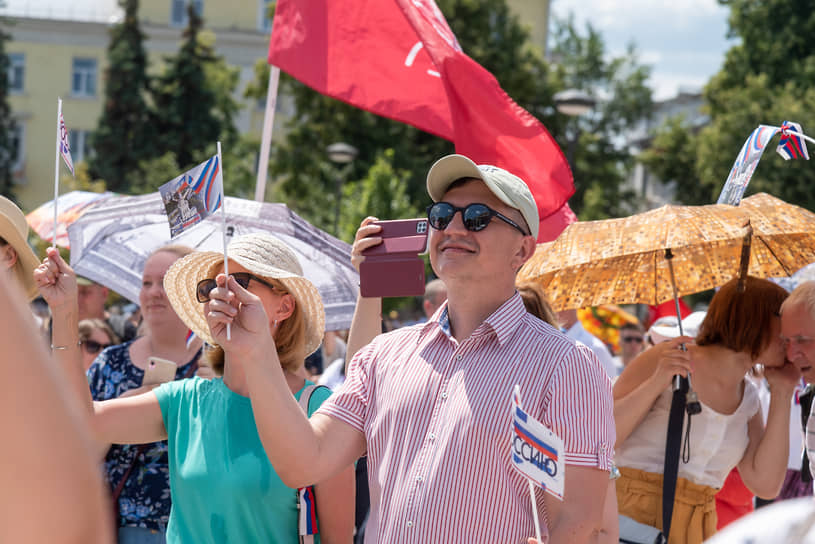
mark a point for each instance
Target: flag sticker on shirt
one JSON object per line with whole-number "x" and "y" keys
{"x": 537, "y": 452}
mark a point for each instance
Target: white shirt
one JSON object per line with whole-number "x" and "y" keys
{"x": 717, "y": 441}
{"x": 810, "y": 441}
{"x": 577, "y": 332}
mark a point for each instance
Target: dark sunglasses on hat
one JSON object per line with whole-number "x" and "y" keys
{"x": 92, "y": 346}
{"x": 475, "y": 217}
{"x": 205, "y": 286}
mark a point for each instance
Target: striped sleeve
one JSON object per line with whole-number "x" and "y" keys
{"x": 580, "y": 410}
{"x": 350, "y": 401}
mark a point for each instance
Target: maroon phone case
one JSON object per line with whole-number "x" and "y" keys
{"x": 394, "y": 268}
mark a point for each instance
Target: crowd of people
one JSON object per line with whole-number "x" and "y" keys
{"x": 406, "y": 436}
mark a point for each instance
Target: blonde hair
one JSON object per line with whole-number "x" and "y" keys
{"x": 802, "y": 296}
{"x": 290, "y": 339}
{"x": 536, "y": 302}
{"x": 179, "y": 250}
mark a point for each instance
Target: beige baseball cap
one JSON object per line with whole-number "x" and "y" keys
{"x": 509, "y": 188}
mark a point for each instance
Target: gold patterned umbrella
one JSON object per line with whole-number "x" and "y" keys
{"x": 620, "y": 261}
{"x": 783, "y": 236}
{"x": 623, "y": 261}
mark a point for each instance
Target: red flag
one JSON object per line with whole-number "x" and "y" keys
{"x": 401, "y": 60}
{"x": 363, "y": 54}
{"x": 551, "y": 227}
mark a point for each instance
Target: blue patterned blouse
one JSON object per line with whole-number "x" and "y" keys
{"x": 145, "y": 498}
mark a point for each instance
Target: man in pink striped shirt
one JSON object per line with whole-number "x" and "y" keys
{"x": 430, "y": 404}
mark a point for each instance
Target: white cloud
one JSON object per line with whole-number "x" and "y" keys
{"x": 684, "y": 41}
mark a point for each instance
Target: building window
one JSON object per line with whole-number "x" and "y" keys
{"x": 80, "y": 142}
{"x": 264, "y": 16}
{"x": 16, "y": 72}
{"x": 17, "y": 142}
{"x": 83, "y": 80}
{"x": 178, "y": 15}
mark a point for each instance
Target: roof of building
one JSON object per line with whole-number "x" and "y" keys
{"x": 97, "y": 11}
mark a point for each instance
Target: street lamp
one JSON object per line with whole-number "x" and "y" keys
{"x": 340, "y": 153}
{"x": 574, "y": 103}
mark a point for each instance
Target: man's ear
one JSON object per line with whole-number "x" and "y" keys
{"x": 524, "y": 253}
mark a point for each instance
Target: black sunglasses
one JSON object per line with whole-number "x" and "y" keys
{"x": 475, "y": 217}
{"x": 630, "y": 339}
{"x": 92, "y": 346}
{"x": 205, "y": 286}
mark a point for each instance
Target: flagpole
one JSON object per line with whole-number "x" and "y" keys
{"x": 266, "y": 138}
{"x": 56, "y": 171}
{"x": 528, "y": 481}
{"x": 223, "y": 230}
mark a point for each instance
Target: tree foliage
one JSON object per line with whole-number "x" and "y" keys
{"x": 125, "y": 135}
{"x": 7, "y": 125}
{"x": 600, "y": 160}
{"x": 193, "y": 97}
{"x": 766, "y": 79}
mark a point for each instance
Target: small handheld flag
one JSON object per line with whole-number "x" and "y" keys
{"x": 537, "y": 452}
{"x": 792, "y": 145}
{"x": 63, "y": 144}
{"x": 193, "y": 196}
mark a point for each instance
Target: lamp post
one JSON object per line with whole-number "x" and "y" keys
{"x": 574, "y": 103}
{"x": 340, "y": 153}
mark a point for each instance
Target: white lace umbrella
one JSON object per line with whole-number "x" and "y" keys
{"x": 111, "y": 241}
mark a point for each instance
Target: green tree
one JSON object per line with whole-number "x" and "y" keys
{"x": 193, "y": 100}
{"x": 600, "y": 161}
{"x": 766, "y": 79}
{"x": 7, "y": 125}
{"x": 124, "y": 136}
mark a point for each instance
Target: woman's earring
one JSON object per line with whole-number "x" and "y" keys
{"x": 275, "y": 323}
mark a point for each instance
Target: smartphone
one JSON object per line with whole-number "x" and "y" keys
{"x": 401, "y": 236}
{"x": 159, "y": 371}
{"x": 394, "y": 268}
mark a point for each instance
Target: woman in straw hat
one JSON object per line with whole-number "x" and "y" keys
{"x": 16, "y": 257}
{"x": 222, "y": 485}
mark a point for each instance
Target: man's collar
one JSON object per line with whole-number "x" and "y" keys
{"x": 502, "y": 322}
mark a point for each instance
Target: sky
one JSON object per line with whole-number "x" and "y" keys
{"x": 684, "y": 41}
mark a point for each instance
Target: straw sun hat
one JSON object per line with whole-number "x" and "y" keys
{"x": 264, "y": 256}
{"x": 14, "y": 230}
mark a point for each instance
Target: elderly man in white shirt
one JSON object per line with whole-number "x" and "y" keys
{"x": 798, "y": 333}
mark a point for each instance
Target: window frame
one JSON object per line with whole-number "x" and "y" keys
{"x": 88, "y": 77}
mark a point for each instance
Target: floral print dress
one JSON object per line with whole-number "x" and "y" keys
{"x": 145, "y": 498}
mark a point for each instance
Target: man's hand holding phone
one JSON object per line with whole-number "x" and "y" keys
{"x": 392, "y": 267}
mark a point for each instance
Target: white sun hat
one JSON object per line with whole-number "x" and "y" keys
{"x": 264, "y": 256}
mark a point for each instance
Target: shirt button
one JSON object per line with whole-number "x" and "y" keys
{"x": 444, "y": 394}
{"x": 409, "y": 524}
{"x": 458, "y": 357}
{"x": 419, "y": 479}
{"x": 431, "y": 436}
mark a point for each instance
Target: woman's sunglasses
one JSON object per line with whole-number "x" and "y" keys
{"x": 475, "y": 217}
{"x": 205, "y": 286}
{"x": 92, "y": 346}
